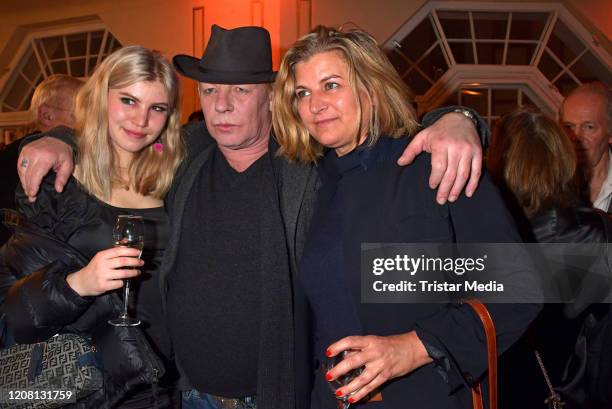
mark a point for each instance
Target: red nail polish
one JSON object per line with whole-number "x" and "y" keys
{"x": 328, "y": 376}
{"x": 328, "y": 353}
{"x": 339, "y": 392}
{"x": 351, "y": 400}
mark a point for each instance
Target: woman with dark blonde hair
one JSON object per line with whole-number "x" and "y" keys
{"x": 339, "y": 102}
{"x": 534, "y": 161}
{"x": 129, "y": 148}
{"x": 532, "y": 156}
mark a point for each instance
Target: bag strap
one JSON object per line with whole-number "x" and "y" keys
{"x": 36, "y": 361}
{"x": 489, "y": 328}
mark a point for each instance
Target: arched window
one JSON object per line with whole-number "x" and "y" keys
{"x": 495, "y": 56}
{"x": 74, "y": 51}
{"x": 74, "y": 54}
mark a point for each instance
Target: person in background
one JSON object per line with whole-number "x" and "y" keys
{"x": 339, "y": 102}
{"x": 196, "y": 116}
{"x": 536, "y": 165}
{"x": 53, "y": 102}
{"x": 52, "y": 105}
{"x": 64, "y": 279}
{"x": 586, "y": 114}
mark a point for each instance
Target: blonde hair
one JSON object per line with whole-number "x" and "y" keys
{"x": 150, "y": 172}
{"x": 370, "y": 74}
{"x": 534, "y": 158}
{"x": 53, "y": 91}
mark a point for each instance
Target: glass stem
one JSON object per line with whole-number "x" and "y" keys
{"x": 126, "y": 296}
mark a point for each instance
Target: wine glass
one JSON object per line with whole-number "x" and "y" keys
{"x": 344, "y": 379}
{"x": 128, "y": 232}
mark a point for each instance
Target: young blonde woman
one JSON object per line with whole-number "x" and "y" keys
{"x": 67, "y": 273}
{"x": 339, "y": 102}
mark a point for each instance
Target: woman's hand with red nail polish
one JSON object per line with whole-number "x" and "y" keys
{"x": 382, "y": 359}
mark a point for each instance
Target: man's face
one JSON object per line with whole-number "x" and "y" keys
{"x": 585, "y": 121}
{"x": 237, "y": 116}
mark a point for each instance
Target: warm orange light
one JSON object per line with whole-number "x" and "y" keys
{"x": 470, "y": 92}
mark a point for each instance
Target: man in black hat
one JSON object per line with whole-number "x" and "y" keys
{"x": 239, "y": 216}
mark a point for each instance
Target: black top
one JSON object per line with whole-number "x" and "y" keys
{"x": 322, "y": 269}
{"x": 215, "y": 294}
{"x": 86, "y": 223}
{"x": 10, "y": 179}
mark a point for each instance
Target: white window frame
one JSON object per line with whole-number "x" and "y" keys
{"x": 462, "y": 75}
{"x": 22, "y": 118}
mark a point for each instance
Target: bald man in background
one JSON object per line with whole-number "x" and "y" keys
{"x": 586, "y": 114}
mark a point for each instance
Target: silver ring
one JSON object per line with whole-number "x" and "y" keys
{"x": 24, "y": 163}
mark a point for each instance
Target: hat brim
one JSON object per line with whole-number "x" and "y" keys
{"x": 190, "y": 67}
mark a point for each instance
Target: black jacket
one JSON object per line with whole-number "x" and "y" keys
{"x": 10, "y": 179}
{"x": 572, "y": 331}
{"x": 288, "y": 217}
{"x": 588, "y": 381}
{"x": 36, "y": 303}
{"x": 573, "y": 225}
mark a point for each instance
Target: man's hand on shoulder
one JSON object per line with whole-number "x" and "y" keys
{"x": 456, "y": 155}
{"x": 37, "y": 158}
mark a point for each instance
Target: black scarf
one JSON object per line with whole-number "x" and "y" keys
{"x": 275, "y": 383}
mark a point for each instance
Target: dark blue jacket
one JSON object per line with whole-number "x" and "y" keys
{"x": 386, "y": 203}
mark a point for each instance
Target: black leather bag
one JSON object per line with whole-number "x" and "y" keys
{"x": 64, "y": 362}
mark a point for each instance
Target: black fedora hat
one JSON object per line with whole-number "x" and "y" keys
{"x": 242, "y": 55}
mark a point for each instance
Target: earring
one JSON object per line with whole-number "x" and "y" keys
{"x": 158, "y": 146}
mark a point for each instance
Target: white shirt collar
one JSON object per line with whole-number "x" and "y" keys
{"x": 605, "y": 194}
